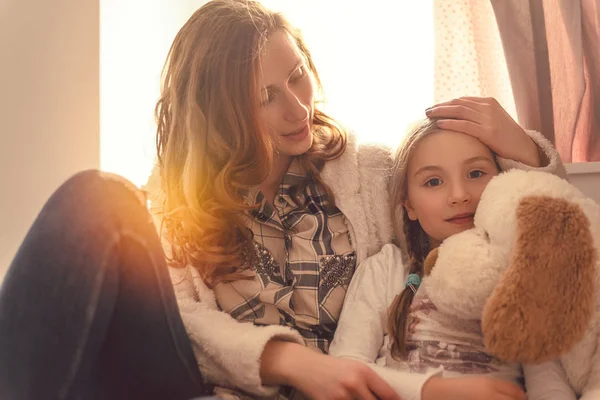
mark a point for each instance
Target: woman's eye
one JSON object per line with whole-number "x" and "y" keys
{"x": 433, "y": 182}
{"x": 299, "y": 74}
{"x": 268, "y": 99}
{"x": 476, "y": 174}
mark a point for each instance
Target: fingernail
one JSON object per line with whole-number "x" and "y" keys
{"x": 428, "y": 111}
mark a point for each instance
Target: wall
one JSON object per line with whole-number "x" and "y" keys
{"x": 586, "y": 176}
{"x": 49, "y": 107}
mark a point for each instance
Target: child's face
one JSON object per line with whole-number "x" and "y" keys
{"x": 447, "y": 172}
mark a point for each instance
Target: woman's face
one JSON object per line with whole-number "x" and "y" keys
{"x": 287, "y": 95}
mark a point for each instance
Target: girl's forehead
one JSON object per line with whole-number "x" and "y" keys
{"x": 448, "y": 146}
{"x": 442, "y": 141}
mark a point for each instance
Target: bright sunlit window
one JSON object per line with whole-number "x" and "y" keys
{"x": 375, "y": 61}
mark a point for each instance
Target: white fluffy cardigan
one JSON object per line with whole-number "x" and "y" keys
{"x": 228, "y": 352}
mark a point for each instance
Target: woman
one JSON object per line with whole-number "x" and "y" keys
{"x": 265, "y": 205}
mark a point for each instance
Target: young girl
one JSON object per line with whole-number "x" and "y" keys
{"x": 437, "y": 181}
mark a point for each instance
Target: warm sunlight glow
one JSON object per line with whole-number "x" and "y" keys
{"x": 375, "y": 61}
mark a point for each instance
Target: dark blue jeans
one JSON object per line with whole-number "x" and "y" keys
{"x": 87, "y": 309}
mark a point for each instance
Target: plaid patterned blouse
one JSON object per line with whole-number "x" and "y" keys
{"x": 305, "y": 261}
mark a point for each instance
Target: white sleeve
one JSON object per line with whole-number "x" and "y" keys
{"x": 547, "y": 381}
{"x": 554, "y": 164}
{"x": 227, "y": 351}
{"x": 361, "y": 326}
{"x": 407, "y": 385}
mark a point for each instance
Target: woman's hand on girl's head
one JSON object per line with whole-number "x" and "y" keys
{"x": 471, "y": 388}
{"x": 321, "y": 377}
{"x": 485, "y": 119}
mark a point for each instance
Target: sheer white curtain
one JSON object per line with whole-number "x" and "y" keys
{"x": 469, "y": 58}
{"x": 376, "y": 61}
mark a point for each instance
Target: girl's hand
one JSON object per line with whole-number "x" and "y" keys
{"x": 471, "y": 388}
{"x": 486, "y": 120}
{"x": 321, "y": 377}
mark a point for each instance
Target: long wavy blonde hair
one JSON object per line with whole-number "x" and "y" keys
{"x": 211, "y": 144}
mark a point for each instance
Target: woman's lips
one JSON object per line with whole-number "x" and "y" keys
{"x": 299, "y": 134}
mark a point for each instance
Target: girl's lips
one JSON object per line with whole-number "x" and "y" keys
{"x": 461, "y": 219}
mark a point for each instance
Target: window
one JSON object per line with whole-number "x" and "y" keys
{"x": 375, "y": 61}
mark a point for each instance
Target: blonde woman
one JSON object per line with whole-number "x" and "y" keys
{"x": 265, "y": 206}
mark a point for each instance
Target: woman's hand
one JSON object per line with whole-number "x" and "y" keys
{"x": 471, "y": 388}
{"x": 486, "y": 120}
{"x": 321, "y": 377}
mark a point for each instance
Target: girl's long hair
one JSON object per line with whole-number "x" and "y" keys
{"x": 409, "y": 235}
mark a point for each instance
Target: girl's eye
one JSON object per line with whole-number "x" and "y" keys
{"x": 476, "y": 174}
{"x": 433, "y": 182}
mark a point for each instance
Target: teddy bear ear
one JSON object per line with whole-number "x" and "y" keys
{"x": 544, "y": 302}
{"x": 430, "y": 261}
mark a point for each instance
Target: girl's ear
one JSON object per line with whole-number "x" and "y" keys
{"x": 410, "y": 211}
{"x": 544, "y": 303}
